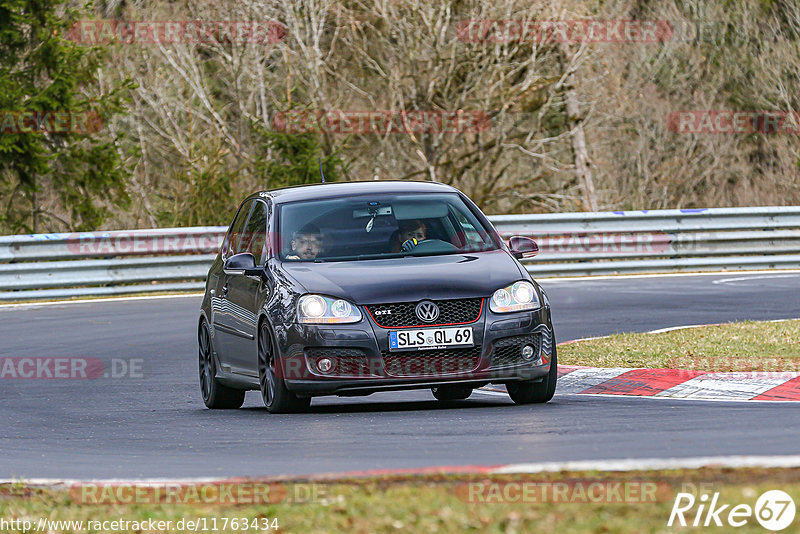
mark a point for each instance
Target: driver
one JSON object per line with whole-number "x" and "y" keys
{"x": 409, "y": 234}
{"x": 306, "y": 243}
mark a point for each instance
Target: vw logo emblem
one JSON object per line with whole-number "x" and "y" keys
{"x": 427, "y": 311}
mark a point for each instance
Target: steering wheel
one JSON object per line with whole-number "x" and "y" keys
{"x": 431, "y": 245}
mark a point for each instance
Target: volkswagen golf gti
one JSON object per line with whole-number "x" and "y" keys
{"x": 360, "y": 287}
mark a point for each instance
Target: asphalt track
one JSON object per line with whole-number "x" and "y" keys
{"x": 157, "y": 426}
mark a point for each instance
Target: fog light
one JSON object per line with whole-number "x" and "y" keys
{"x": 527, "y": 352}
{"x": 325, "y": 365}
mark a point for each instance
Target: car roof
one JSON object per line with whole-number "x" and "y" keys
{"x": 337, "y": 189}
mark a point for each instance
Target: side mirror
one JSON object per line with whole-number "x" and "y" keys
{"x": 523, "y": 247}
{"x": 242, "y": 264}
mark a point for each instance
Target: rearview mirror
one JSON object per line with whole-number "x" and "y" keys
{"x": 242, "y": 264}
{"x": 523, "y": 247}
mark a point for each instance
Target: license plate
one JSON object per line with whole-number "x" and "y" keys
{"x": 430, "y": 338}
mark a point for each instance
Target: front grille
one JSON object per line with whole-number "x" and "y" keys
{"x": 508, "y": 351}
{"x": 402, "y": 315}
{"x": 348, "y": 361}
{"x": 431, "y": 362}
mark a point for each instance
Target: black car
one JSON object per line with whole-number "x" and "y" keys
{"x": 354, "y": 288}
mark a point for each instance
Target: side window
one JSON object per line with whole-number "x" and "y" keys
{"x": 255, "y": 235}
{"x": 234, "y": 235}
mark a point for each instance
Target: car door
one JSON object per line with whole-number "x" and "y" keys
{"x": 223, "y": 315}
{"x": 244, "y": 294}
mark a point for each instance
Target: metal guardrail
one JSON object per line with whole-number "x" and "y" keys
{"x": 585, "y": 244}
{"x": 65, "y": 265}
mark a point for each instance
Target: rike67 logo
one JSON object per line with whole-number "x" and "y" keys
{"x": 774, "y": 510}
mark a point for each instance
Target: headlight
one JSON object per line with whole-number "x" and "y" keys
{"x": 518, "y": 296}
{"x": 319, "y": 309}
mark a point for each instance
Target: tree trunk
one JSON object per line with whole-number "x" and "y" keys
{"x": 583, "y": 167}
{"x": 35, "y": 208}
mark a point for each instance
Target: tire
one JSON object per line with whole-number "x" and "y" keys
{"x": 528, "y": 392}
{"x": 215, "y": 395}
{"x": 450, "y": 393}
{"x": 277, "y": 398}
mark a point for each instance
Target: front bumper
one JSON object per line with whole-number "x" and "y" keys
{"x": 365, "y": 365}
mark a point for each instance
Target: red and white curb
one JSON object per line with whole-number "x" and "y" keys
{"x": 679, "y": 383}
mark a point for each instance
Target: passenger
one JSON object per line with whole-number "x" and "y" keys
{"x": 306, "y": 243}
{"x": 409, "y": 234}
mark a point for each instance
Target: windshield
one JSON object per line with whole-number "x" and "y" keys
{"x": 380, "y": 226}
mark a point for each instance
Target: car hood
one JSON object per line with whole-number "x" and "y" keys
{"x": 409, "y": 279}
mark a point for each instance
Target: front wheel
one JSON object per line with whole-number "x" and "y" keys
{"x": 277, "y": 398}
{"x": 536, "y": 392}
{"x": 215, "y": 395}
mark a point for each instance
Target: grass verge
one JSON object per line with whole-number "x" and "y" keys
{"x": 745, "y": 346}
{"x": 554, "y": 502}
